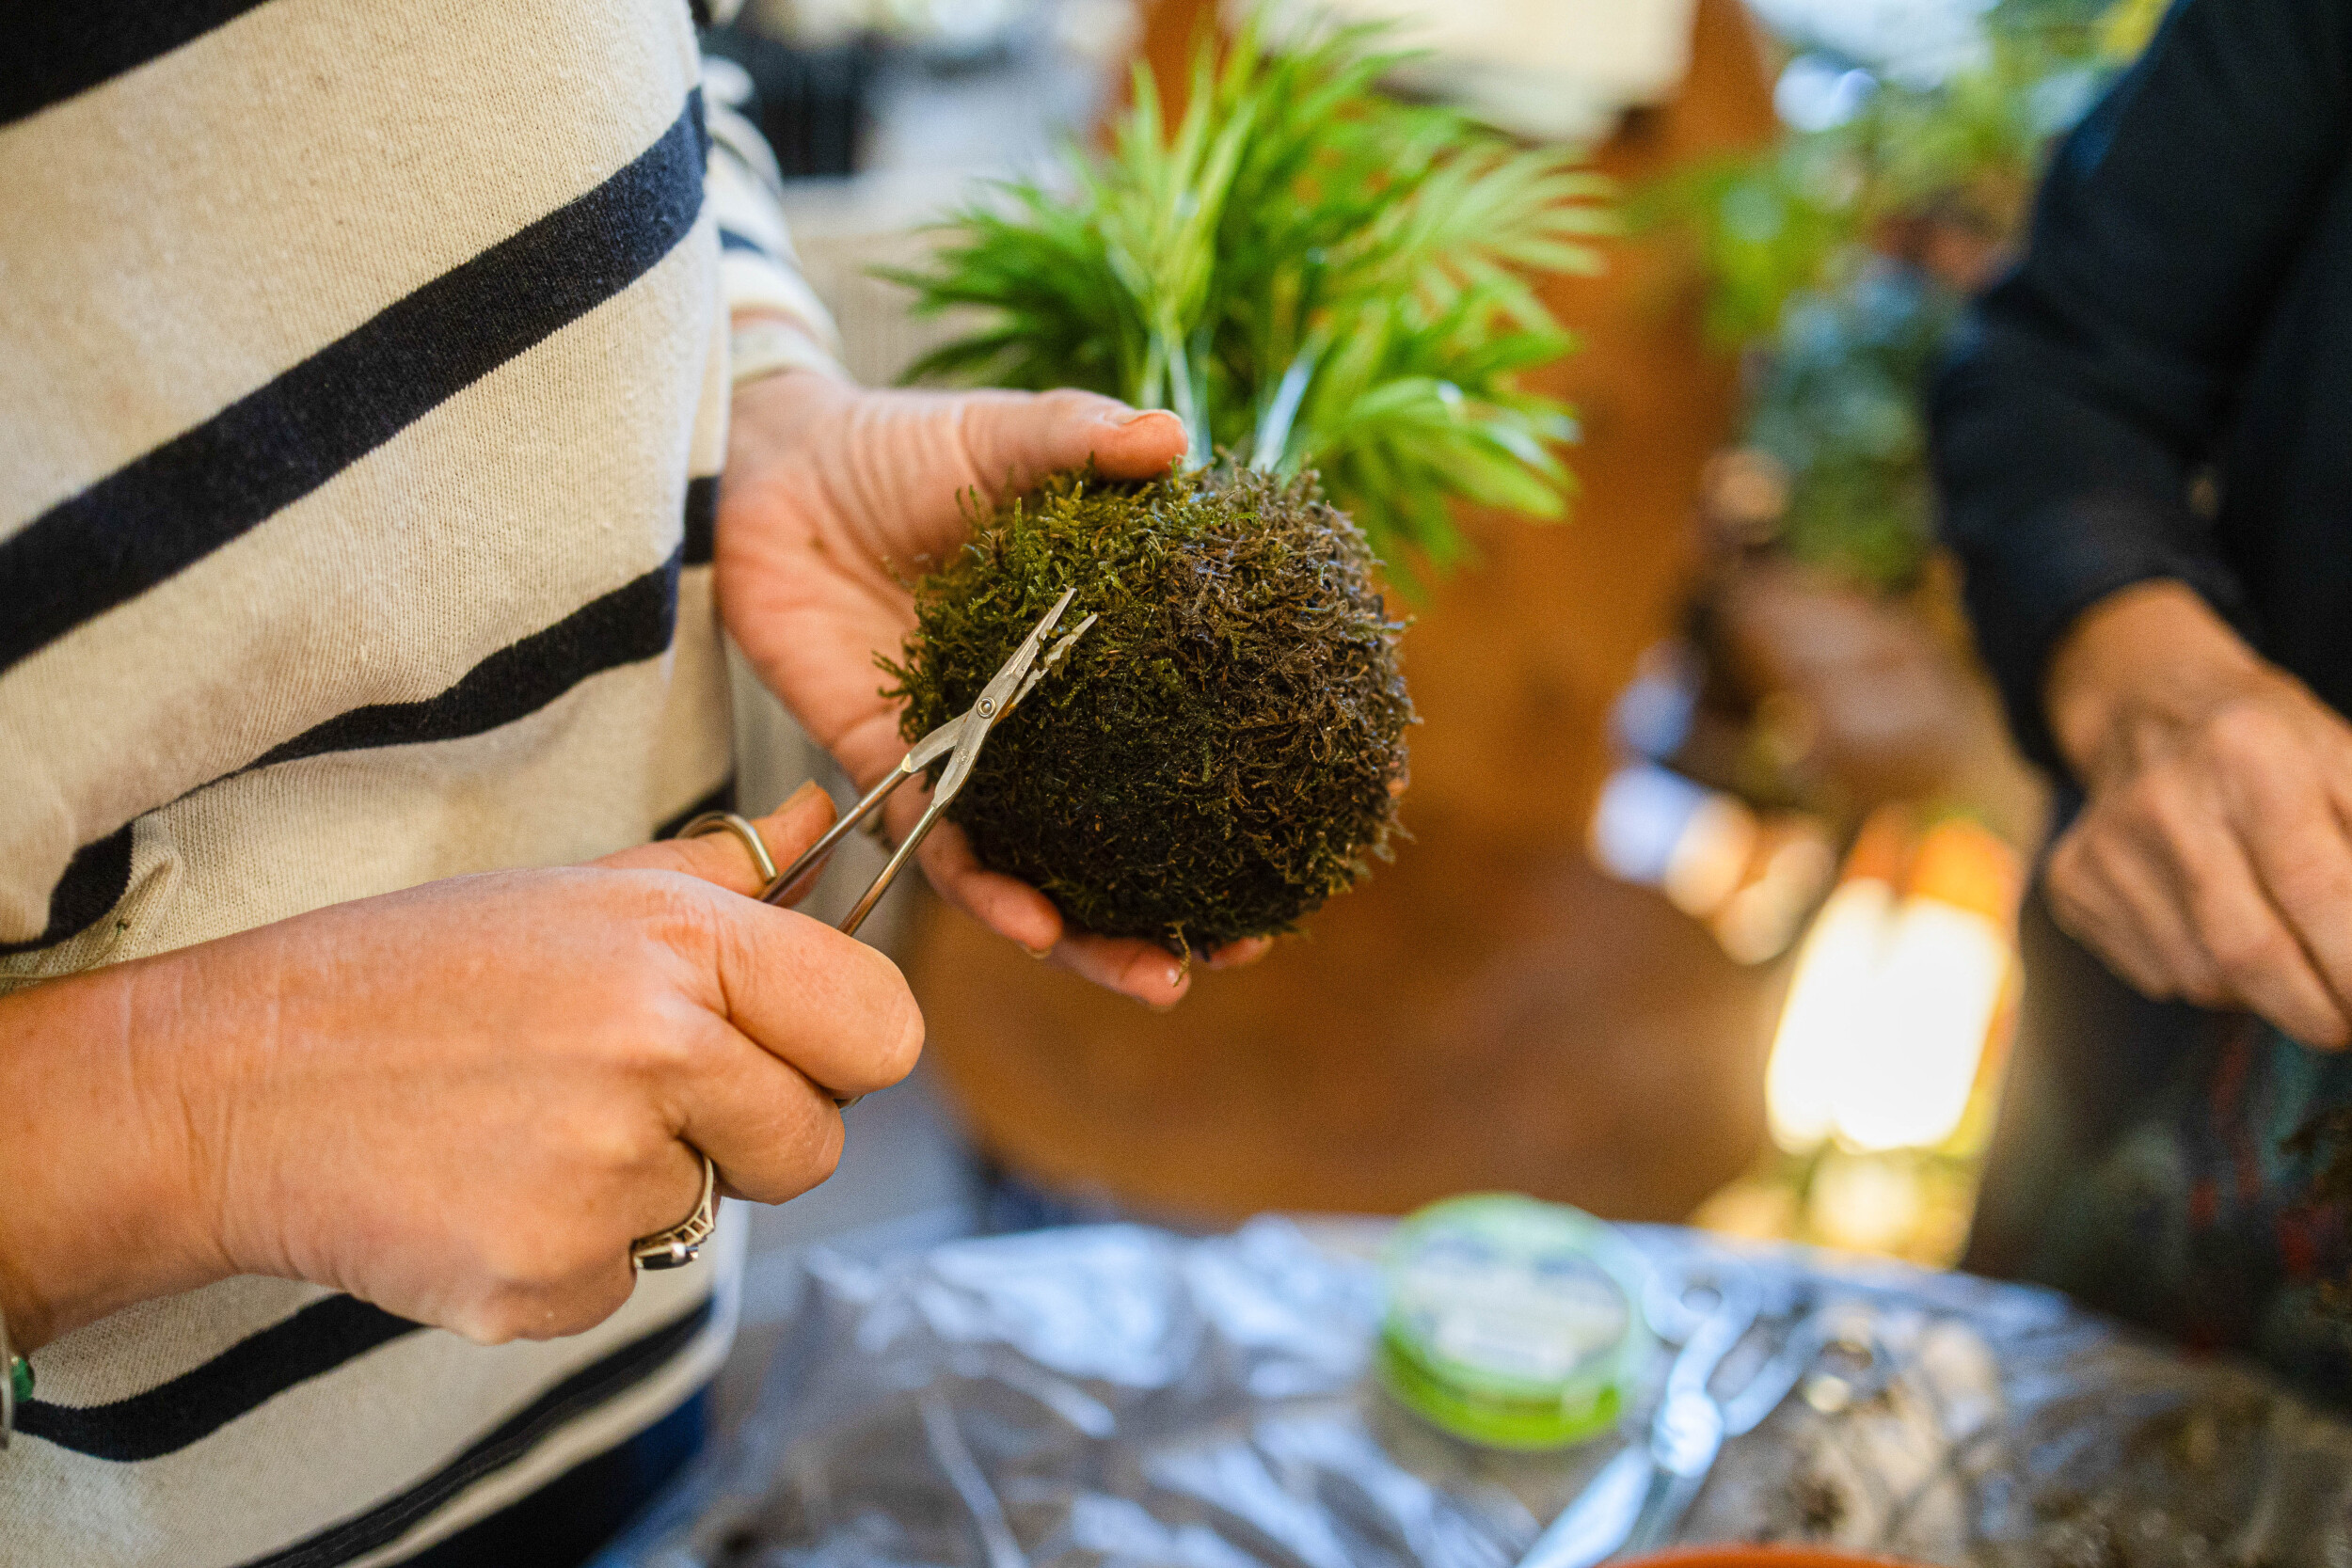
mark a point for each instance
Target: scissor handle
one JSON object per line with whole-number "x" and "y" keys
{"x": 813, "y": 856}
{"x": 857, "y": 917}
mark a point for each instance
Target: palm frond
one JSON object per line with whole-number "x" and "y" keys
{"x": 1312, "y": 274}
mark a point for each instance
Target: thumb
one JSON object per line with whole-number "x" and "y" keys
{"x": 724, "y": 859}
{"x": 1018, "y": 440}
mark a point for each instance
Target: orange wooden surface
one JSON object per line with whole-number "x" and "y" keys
{"x": 1487, "y": 1011}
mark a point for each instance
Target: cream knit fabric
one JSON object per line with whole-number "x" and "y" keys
{"x": 362, "y": 371}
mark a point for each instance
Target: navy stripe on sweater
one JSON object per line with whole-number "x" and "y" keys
{"x": 57, "y": 52}
{"x": 208, "y": 485}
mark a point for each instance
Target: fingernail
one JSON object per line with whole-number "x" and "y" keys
{"x": 1132, "y": 415}
{"x": 801, "y": 795}
{"x": 1036, "y": 952}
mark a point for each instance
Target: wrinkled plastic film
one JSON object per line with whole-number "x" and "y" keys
{"x": 1119, "y": 1395}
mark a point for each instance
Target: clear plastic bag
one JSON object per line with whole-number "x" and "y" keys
{"x": 1119, "y": 1395}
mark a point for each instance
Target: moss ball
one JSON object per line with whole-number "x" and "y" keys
{"x": 1223, "y": 751}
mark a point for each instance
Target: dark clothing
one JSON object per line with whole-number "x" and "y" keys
{"x": 574, "y": 1516}
{"x": 2184, "y": 308}
{"x": 2162, "y": 388}
{"x": 2183, "y": 1169}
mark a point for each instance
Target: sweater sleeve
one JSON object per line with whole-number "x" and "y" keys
{"x": 758, "y": 270}
{"x": 2093, "y": 382}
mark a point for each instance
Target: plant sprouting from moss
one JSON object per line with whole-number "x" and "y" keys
{"x": 1221, "y": 752}
{"x": 1314, "y": 276}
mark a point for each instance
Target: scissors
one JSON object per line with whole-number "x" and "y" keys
{"x": 1637, "y": 1502}
{"x": 959, "y": 740}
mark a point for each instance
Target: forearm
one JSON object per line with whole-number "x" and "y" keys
{"x": 99, "y": 1206}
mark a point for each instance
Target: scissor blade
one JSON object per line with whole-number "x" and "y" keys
{"x": 995, "y": 700}
{"x": 1053, "y": 657}
{"x": 997, "y": 695}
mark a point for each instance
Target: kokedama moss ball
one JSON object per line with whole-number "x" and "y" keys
{"x": 1222, "y": 751}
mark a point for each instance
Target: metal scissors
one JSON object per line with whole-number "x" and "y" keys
{"x": 1637, "y": 1502}
{"x": 959, "y": 740}
{"x": 1683, "y": 1434}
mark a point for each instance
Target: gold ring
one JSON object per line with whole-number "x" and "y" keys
{"x": 676, "y": 1247}
{"x": 714, "y": 822}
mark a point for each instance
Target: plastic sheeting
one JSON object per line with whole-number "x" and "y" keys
{"x": 1119, "y": 1395}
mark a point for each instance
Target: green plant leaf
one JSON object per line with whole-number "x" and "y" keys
{"x": 1295, "y": 267}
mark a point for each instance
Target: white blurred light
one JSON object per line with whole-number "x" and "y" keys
{"x": 1829, "y": 1010}
{"x": 1918, "y": 42}
{"x": 1814, "y": 94}
{"x": 1654, "y": 828}
{"x": 1938, "y": 983}
{"x": 1641, "y": 814}
{"x": 1885, "y": 1023}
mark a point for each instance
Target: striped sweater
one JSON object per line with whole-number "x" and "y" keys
{"x": 362, "y": 386}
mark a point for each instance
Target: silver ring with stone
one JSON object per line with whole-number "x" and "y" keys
{"x": 676, "y": 1247}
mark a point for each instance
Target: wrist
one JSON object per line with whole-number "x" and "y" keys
{"x": 2140, "y": 667}
{"x": 100, "y": 1203}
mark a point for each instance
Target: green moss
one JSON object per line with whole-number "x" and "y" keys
{"x": 1223, "y": 751}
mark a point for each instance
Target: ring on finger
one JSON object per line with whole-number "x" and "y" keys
{"x": 728, "y": 821}
{"x": 679, "y": 1244}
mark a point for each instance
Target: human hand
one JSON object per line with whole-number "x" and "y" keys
{"x": 461, "y": 1102}
{"x": 2212, "y": 860}
{"x": 833, "y": 495}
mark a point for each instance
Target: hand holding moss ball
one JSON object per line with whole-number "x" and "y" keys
{"x": 1222, "y": 751}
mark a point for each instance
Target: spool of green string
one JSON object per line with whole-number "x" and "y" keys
{"x": 1512, "y": 1322}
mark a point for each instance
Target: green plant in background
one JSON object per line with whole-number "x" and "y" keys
{"x": 1314, "y": 276}
{"x": 1836, "y": 402}
{"x": 1835, "y": 260}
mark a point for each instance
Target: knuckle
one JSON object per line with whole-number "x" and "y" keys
{"x": 501, "y": 1317}
{"x": 618, "y": 1138}
{"x": 2202, "y": 991}
{"x": 1068, "y": 400}
{"x": 487, "y": 1324}
{"x": 670, "y": 908}
{"x": 549, "y": 1313}
{"x": 2156, "y": 801}
{"x": 2246, "y": 956}
{"x": 2244, "y": 735}
{"x": 2241, "y": 723}
{"x": 533, "y": 1256}
{"x": 661, "y": 1047}
{"x": 2069, "y": 864}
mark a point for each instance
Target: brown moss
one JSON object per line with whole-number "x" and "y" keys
{"x": 1222, "y": 751}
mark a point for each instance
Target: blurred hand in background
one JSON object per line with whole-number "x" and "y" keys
{"x": 2212, "y": 860}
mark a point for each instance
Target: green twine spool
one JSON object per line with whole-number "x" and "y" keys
{"x": 1512, "y": 1322}
{"x": 21, "y": 1378}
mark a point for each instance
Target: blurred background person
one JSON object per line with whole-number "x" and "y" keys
{"x": 2141, "y": 447}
